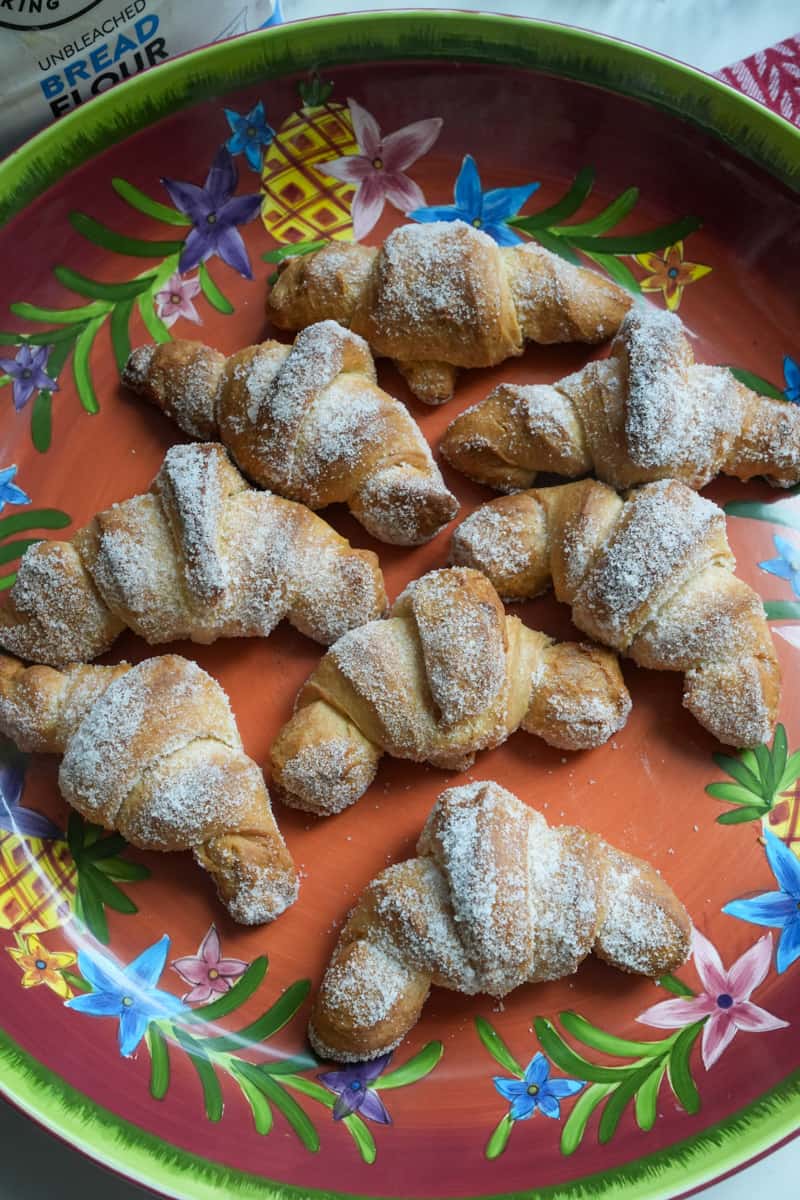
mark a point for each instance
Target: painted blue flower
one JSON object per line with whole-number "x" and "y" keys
{"x": 27, "y": 370}
{"x": 127, "y": 993}
{"x": 251, "y": 134}
{"x": 215, "y": 214}
{"x": 791, "y": 374}
{"x": 536, "y": 1090}
{"x": 353, "y": 1093}
{"x": 787, "y": 565}
{"x": 484, "y": 210}
{"x": 779, "y": 910}
{"x": 9, "y": 492}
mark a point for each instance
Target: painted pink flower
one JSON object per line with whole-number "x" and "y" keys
{"x": 175, "y": 300}
{"x": 726, "y": 1000}
{"x": 379, "y": 170}
{"x": 209, "y": 973}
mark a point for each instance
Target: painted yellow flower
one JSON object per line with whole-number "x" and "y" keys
{"x": 669, "y": 273}
{"x": 39, "y": 965}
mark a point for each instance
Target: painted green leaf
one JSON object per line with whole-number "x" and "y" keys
{"x": 281, "y": 252}
{"x": 297, "y": 1118}
{"x": 557, "y": 245}
{"x": 765, "y": 767}
{"x": 738, "y": 771}
{"x": 41, "y": 428}
{"x": 212, "y": 1092}
{"x": 81, "y": 369}
{"x": 756, "y": 383}
{"x": 790, "y": 772}
{"x": 212, "y": 293}
{"x": 120, "y": 335}
{"x": 106, "y": 847}
{"x": 498, "y": 1139}
{"x": 159, "y": 1062}
{"x": 415, "y": 1069}
{"x": 605, "y": 220}
{"x": 497, "y": 1047}
{"x": 354, "y": 1125}
{"x": 259, "y": 1105}
{"x": 780, "y": 749}
{"x": 638, "y": 243}
{"x": 617, "y": 269}
{"x": 91, "y": 909}
{"x": 675, "y": 985}
{"x": 96, "y": 289}
{"x": 578, "y": 1119}
{"x": 782, "y": 610}
{"x": 266, "y": 1025}
{"x": 733, "y": 793}
{"x": 75, "y": 981}
{"x": 11, "y": 551}
{"x": 152, "y": 321}
{"x": 738, "y": 816}
{"x": 42, "y": 421}
{"x": 109, "y": 239}
{"x": 362, "y": 1138}
{"x": 7, "y": 581}
{"x": 231, "y": 1000}
{"x": 646, "y": 1100}
{"x": 620, "y": 1098}
{"x": 120, "y": 868}
{"x": 106, "y": 890}
{"x": 75, "y": 835}
{"x": 33, "y": 518}
{"x": 565, "y": 1057}
{"x": 680, "y": 1075}
{"x": 598, "y": 1039}
{"x": 43, "y": 337}
{"x": 778, "y": 512}
{"x": 59, "y": 316}
{"x": 290, "y": 1066}
{"x": 563, "y": 208}
{"x": 151, "y": 208}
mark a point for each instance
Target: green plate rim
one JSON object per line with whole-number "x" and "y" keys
{"x": 682, "y": 91}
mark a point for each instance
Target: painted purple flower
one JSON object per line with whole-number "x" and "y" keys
{"x": 9, "y": 492}
{"x": 250, "y": 135}
{"x": 208, "y": 972}
{"x": 351, "y": 1086}
{"x": 14, "y": 817}
{"x": 175, "y": 300}
{"x": 379, "y": 171}
{"x": 27, "y": 370}
{"x": 215, "y": 214}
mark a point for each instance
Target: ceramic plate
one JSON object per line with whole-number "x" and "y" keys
{"x": 684, "y": 192}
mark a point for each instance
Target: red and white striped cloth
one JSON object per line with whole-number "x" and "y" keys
{"x": 771, "y": 76}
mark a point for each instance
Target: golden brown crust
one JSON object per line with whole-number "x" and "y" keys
{"x": 153, "y": 752}
{"x": 494, "y": 899}
{"x": 441, "y": 296}
{"x": 447, "y": 675}
{"x": 650, "y": 575}
{"x": 648, "y": 412}
{"x": 200, "y": 556}
{"x": 307, "y": 421}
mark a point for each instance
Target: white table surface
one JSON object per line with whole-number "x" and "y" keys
{"x": 706, "y": 33}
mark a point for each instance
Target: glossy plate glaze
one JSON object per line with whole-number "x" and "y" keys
{"x": 675, "y": 186}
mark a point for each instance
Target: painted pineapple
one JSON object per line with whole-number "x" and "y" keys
{"x": 38, "y": 877}
{"x": 765, "y": 787}
{"x": 300, "y": 203}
